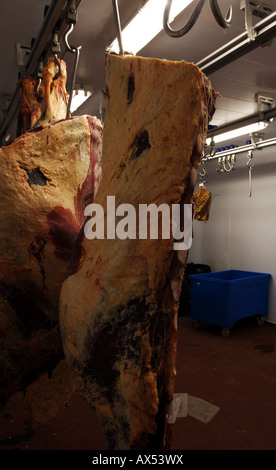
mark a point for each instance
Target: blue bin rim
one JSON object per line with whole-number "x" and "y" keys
{"x": 211, "y": 276}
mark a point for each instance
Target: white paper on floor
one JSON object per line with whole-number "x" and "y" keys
{"x": 184, "y": 405}
{"x": 201, "y": 409}
{"x": 178, "y": 407}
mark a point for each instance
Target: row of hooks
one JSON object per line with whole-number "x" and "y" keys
{"x": 222, "y": 21}
{"x": 226, "y": 164}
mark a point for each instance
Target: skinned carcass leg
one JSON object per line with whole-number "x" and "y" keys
{"x": 118, "y": 307}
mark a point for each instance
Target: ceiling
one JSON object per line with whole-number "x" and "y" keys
{"x": 238, "y": 83}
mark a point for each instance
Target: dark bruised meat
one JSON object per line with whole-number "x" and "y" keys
{"x": 130, "y": 89}
{"x": 36, "y": 176}
{"x": 118, "y": 308}
{"x": 141, "y": 143}
{"x": 63, "y": 230}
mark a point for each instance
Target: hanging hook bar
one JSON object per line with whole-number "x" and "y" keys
{"x": 223, "y": 22}
{"x": 118, "y": 26}
{"x": 74, "y": 50}
{"x": 180, "y": 32}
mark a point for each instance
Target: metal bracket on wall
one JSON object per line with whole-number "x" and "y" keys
{"x": 264, "y": 101}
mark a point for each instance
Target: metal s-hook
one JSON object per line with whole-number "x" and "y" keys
{"x": 223, "y": 22}
{"x": 250, "y": 166}
{"x": 56, "y": 50}
{"x": 67, "y": 34}
{"x": 39, "y": 76}
{"x": 203, "y": 173}
{"x": 220, "y": 168}
{"x": 226, "y": 163}
{"x": 180, "y": 32}
{"x": 229, "y": 162}
{"x": 57, "y": 62}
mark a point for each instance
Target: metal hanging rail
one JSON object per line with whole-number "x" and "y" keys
{"x": 264, "y": 31}
{"x": 55, "y": 19}
{"x": 243, "y": 148}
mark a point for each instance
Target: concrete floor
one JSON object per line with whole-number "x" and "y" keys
{"x": 237, "y": 374}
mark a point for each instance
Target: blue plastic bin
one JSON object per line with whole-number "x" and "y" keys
{"x": 222, "y": 298}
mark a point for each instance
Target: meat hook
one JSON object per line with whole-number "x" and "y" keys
{"x": 39, "y": 76}
{"x": 56, "y": 50}
{"x": 74, "y": 50}
{"x": 57, "y": 62}
{"x": 228, "y": 163}
{"x": 250, "y": 166}
{"x": 180, "y": 32}
{"x": 204, "y": 172}
{"x": 223, "y": 22}
{"x": 220, "y": 168}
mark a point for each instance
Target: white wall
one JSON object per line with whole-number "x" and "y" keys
{"x": 241, "y": 230}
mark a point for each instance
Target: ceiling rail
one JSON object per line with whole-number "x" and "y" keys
{"x": 246, "y": 121}
{"x": 243, "y": 148}
{"x": 55, "y": 19}
{"x": 264, "y": 31}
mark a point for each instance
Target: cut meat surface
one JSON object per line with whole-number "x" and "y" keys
{"x": 46, "y": 179}
{"x": 118, "y": 308}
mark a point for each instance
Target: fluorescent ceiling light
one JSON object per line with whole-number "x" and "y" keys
{"x": 147, "y": 24}
{"x": 250, "y": 129}
{"x": 79, "y": 97}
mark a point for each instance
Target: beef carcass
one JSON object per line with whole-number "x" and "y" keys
{"x": 118, "y": 307}
{"x": 47, "y": 177}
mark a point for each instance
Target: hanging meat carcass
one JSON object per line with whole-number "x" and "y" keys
{"x": 119, "y": 304}
{"x": 47, "y": 176}
{"x": 32, "y": 96}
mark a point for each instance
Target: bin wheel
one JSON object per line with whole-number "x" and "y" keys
{"x": 196, "y": 324}
{"x": 260, "y": 321}
{"x": 225, "y": 332}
